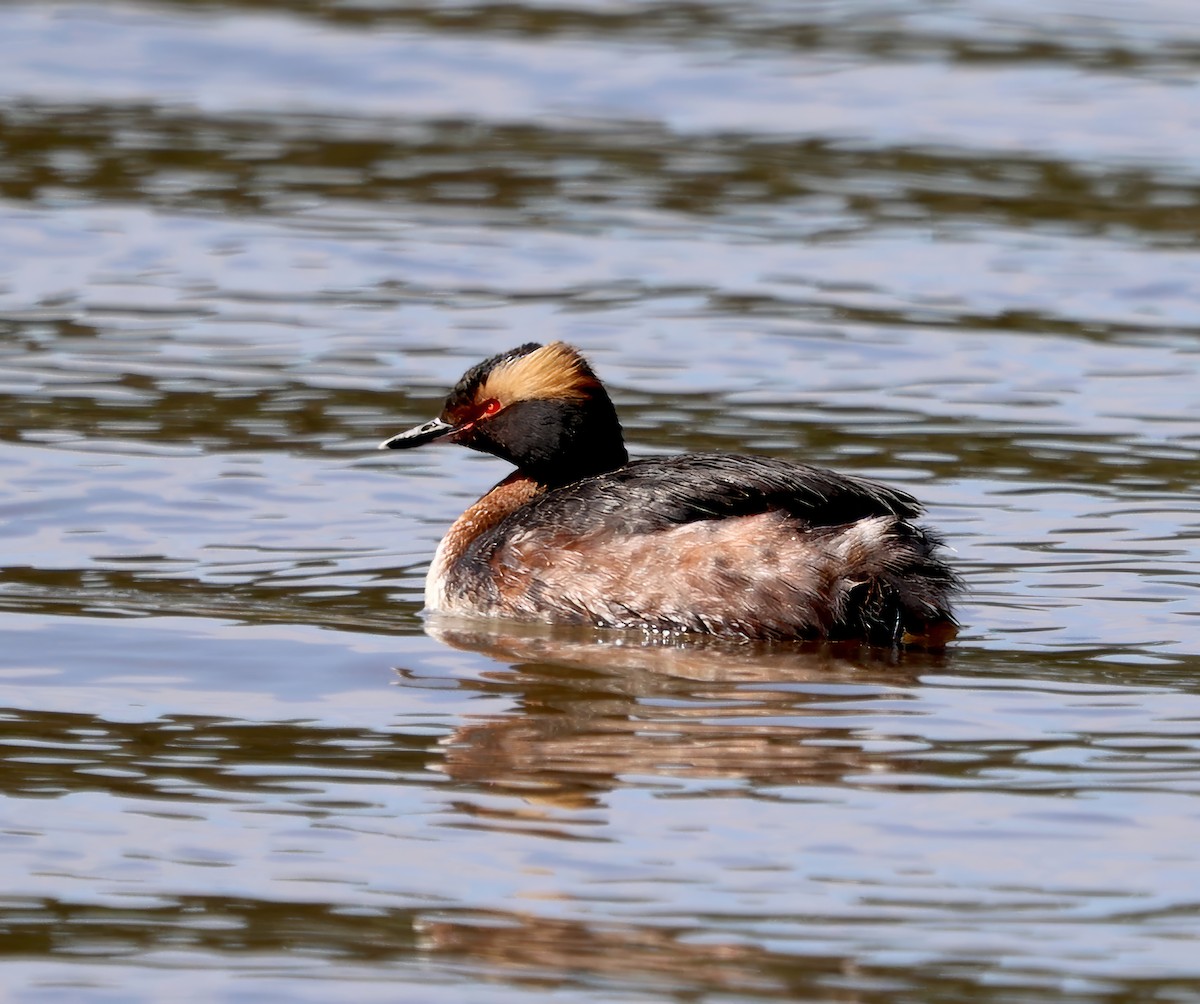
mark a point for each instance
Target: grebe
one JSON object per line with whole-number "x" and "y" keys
{"x": 740, "y": 546}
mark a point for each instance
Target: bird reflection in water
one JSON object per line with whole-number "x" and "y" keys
{"x": 590, "y": 712}
{"x": 590, "y": 715}
{"x": 553, "y": 952}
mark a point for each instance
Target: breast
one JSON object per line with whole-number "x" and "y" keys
{"x": 444, "y": 583}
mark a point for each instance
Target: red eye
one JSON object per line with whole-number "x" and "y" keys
{"x": 490, "y": 408}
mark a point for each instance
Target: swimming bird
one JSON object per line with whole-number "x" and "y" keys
{"x": 739, "y": 546}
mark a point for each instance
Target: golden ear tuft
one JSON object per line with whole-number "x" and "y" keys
{"x": 555, "y": 372}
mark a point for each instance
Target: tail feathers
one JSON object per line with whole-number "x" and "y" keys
{"x": 889, "y": 585}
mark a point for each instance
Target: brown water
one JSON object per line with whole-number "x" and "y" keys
{"x": 949, "y": 245}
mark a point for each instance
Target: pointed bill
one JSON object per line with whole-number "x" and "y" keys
{"x": 419, "y": 436}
